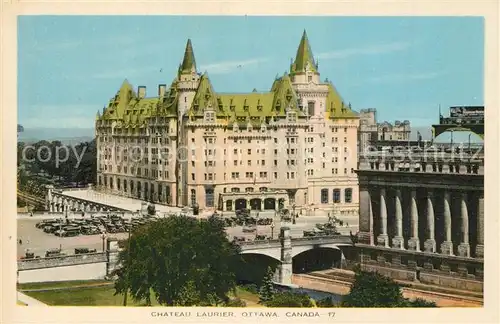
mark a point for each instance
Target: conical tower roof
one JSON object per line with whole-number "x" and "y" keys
{"x": 188, "y": 63}
{"x": 304, "y": 56}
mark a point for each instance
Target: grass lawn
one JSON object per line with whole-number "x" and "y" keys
{"x": 60, "y": 284}
{"x": 94, "y": 296}
{"x": 251, "y": 299}
{"x": 98, "y": 296}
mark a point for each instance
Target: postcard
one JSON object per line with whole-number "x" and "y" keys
{"x": 242, "y": 165}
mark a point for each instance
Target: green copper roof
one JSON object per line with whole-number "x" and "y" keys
{"x": 335, "y": 106}
{"x": 254, "y": 107}
{"x": 250, "y": 106}
{"x": 188, "y": 63}
{"x": 304, "y": 57}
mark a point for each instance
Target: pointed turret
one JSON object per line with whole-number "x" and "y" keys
{"x": 188, "y": 63}
{"x": 98, "y": 115}
{"x": 304, "y": 57}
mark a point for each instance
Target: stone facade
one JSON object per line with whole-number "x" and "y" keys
{"x": 293, "y": 145}
{"x": 371, "y": 131}
{"x": 426, "y": 208}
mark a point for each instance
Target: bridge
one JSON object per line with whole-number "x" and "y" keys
{"x": 89, "y": 201}
{"x": 285, "y": 249}
{"x": 30, "y": 199}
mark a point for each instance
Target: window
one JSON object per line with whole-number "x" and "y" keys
{"x": 235, "y": 162}
{"x": 348, "y": 195}
{"x": 336, "y": 196}
{"x": 249, "y": 152}
{"x": 249, "y": 189}
{"x": 275, "y": 175}
{"x": 310, "y": 108}
{"x": 235, "y": 151}
{"x": 249, "y": 162}
{"x": 263, "y": 175}
{"x": 235, "y": 189}
{"x": 309, "y": 78}
{"x": 324, "y": 196}
{"x": 235, "y": 175}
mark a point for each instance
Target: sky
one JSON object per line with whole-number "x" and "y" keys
{"x": 405, "y": 67}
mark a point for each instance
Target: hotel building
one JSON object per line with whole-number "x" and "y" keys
{"x": 294, "y": 146}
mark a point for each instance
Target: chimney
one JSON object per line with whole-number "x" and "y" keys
{"x": 161, "y": 90}
{"x": 141, "y": 91}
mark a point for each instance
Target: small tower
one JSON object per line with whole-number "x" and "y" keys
{"x": 304, "y": 69}
{"x": 188, "y": 79}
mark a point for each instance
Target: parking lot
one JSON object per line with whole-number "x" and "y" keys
{"x": 38, "y": 242}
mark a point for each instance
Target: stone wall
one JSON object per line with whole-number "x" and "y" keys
{"x": 69, "y": 267}
{"x": 90, "y": 271}
{"x": 67, "y": 260}
{"x": 426, "y": 268}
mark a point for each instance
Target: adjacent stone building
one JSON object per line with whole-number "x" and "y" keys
{"x": 422, "y": 216}
{"x": 292, "y": 146}
{"x": 370, "y": 130}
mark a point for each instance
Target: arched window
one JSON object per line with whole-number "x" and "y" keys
{"x": 348, "y": 195}
{"x": 336, "y": 195}
{"x": 324, "y": 196}
{"x": 193, "y": 197}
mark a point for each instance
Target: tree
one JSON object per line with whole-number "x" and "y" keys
{"x": 371, "y": 289}
{"x": 266, "y": 290}
{"x": 419, "y": 302}
{"x": 180, "y": 260}
{"x": 290, "y": 299}
{"x": 326, "y": 302}
{"x": 151, "y": 209}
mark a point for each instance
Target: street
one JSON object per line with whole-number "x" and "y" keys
{"x": 38, "y": 242}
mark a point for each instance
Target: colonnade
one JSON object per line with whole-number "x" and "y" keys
{"x": 431, "y": 201}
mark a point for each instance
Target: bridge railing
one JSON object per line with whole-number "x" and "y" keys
{"x": 301, "y": 240}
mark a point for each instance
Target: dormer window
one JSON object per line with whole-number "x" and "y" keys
{"x": 288, "y": 95}
{"x": 209, "y": 117}
{"x": 291, "y": 117}
{"x": 278, "y": 104}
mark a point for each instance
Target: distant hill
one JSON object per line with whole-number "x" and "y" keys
{"x": 67, "y": 136}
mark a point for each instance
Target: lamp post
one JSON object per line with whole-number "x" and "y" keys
{"x": 128, "y": 265}
{"x": 293, "y": 214}
{"x": 272, "y": 230}
{"x": 103, "y": 237}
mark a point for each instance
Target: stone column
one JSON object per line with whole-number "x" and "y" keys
{"x": 480, "y": 227}
{"x": 398, "y": 240}
{"x": 285, "y": 269}
{"x": 414, "y": 242}
{"x": 430, "y": 243}
{"x": 383, "y": 239}
{"x": 464, "y": 247}
{"x": 365, "y": 217}
{"x": 447, "y": 245}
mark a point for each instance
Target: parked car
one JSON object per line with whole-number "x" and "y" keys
{"x": 84, "y": 250}
{"x": 53, "y": 253}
